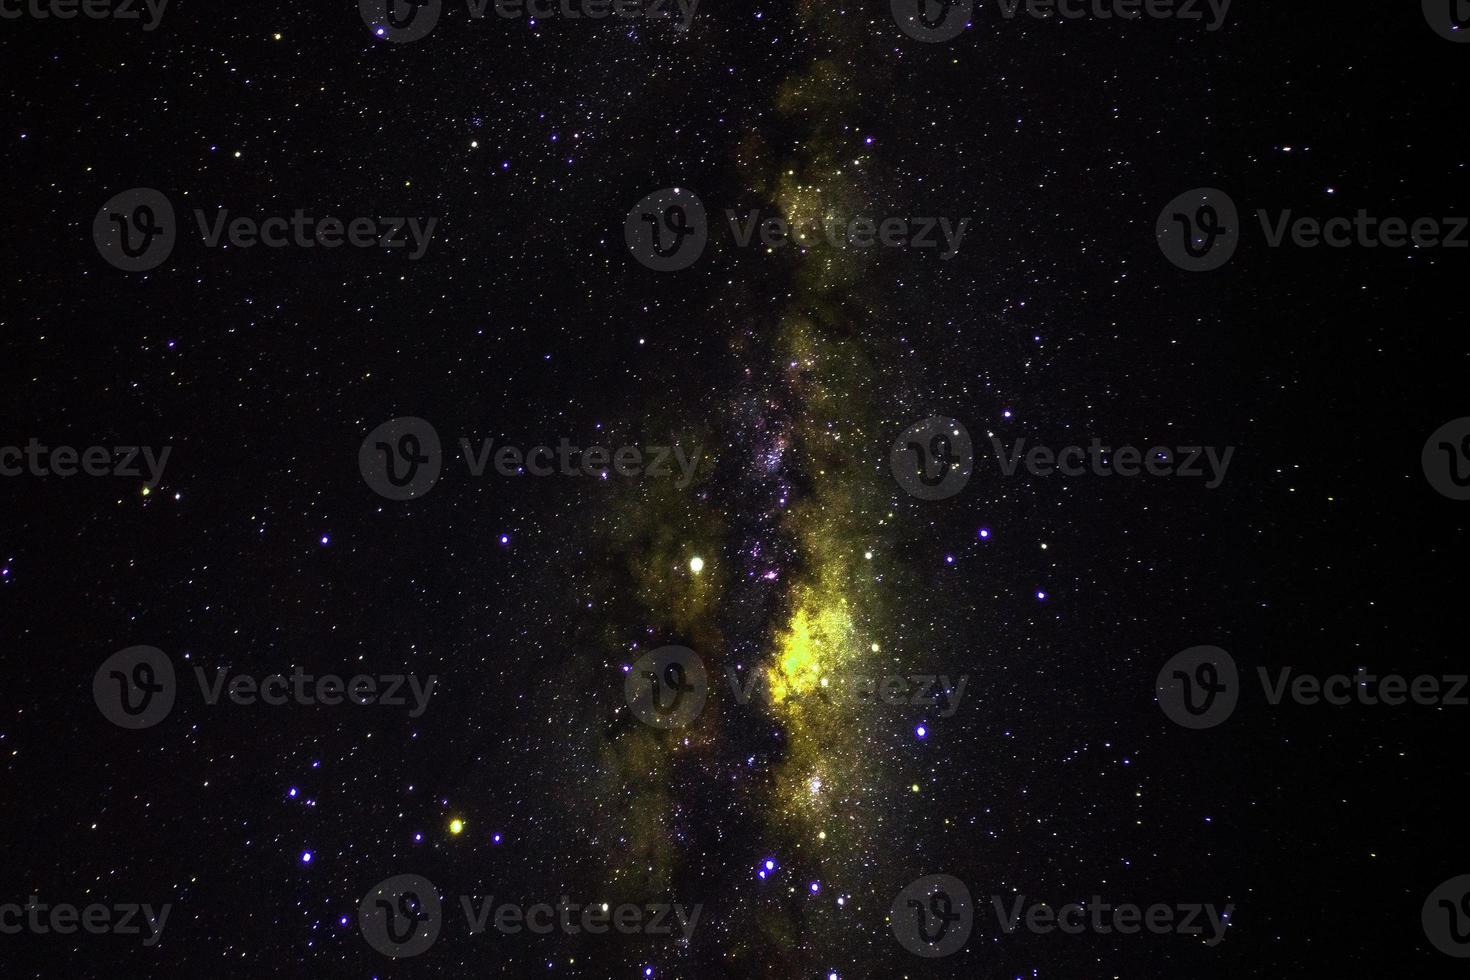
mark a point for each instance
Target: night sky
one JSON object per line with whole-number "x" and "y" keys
{"x": 788, "y": 541}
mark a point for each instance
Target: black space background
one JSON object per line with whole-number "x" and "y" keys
{"x": 1325, "y": 548}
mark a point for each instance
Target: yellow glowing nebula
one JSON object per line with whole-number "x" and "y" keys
{"x": 814, "y": 639}
{"x": 456, "y": 826}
